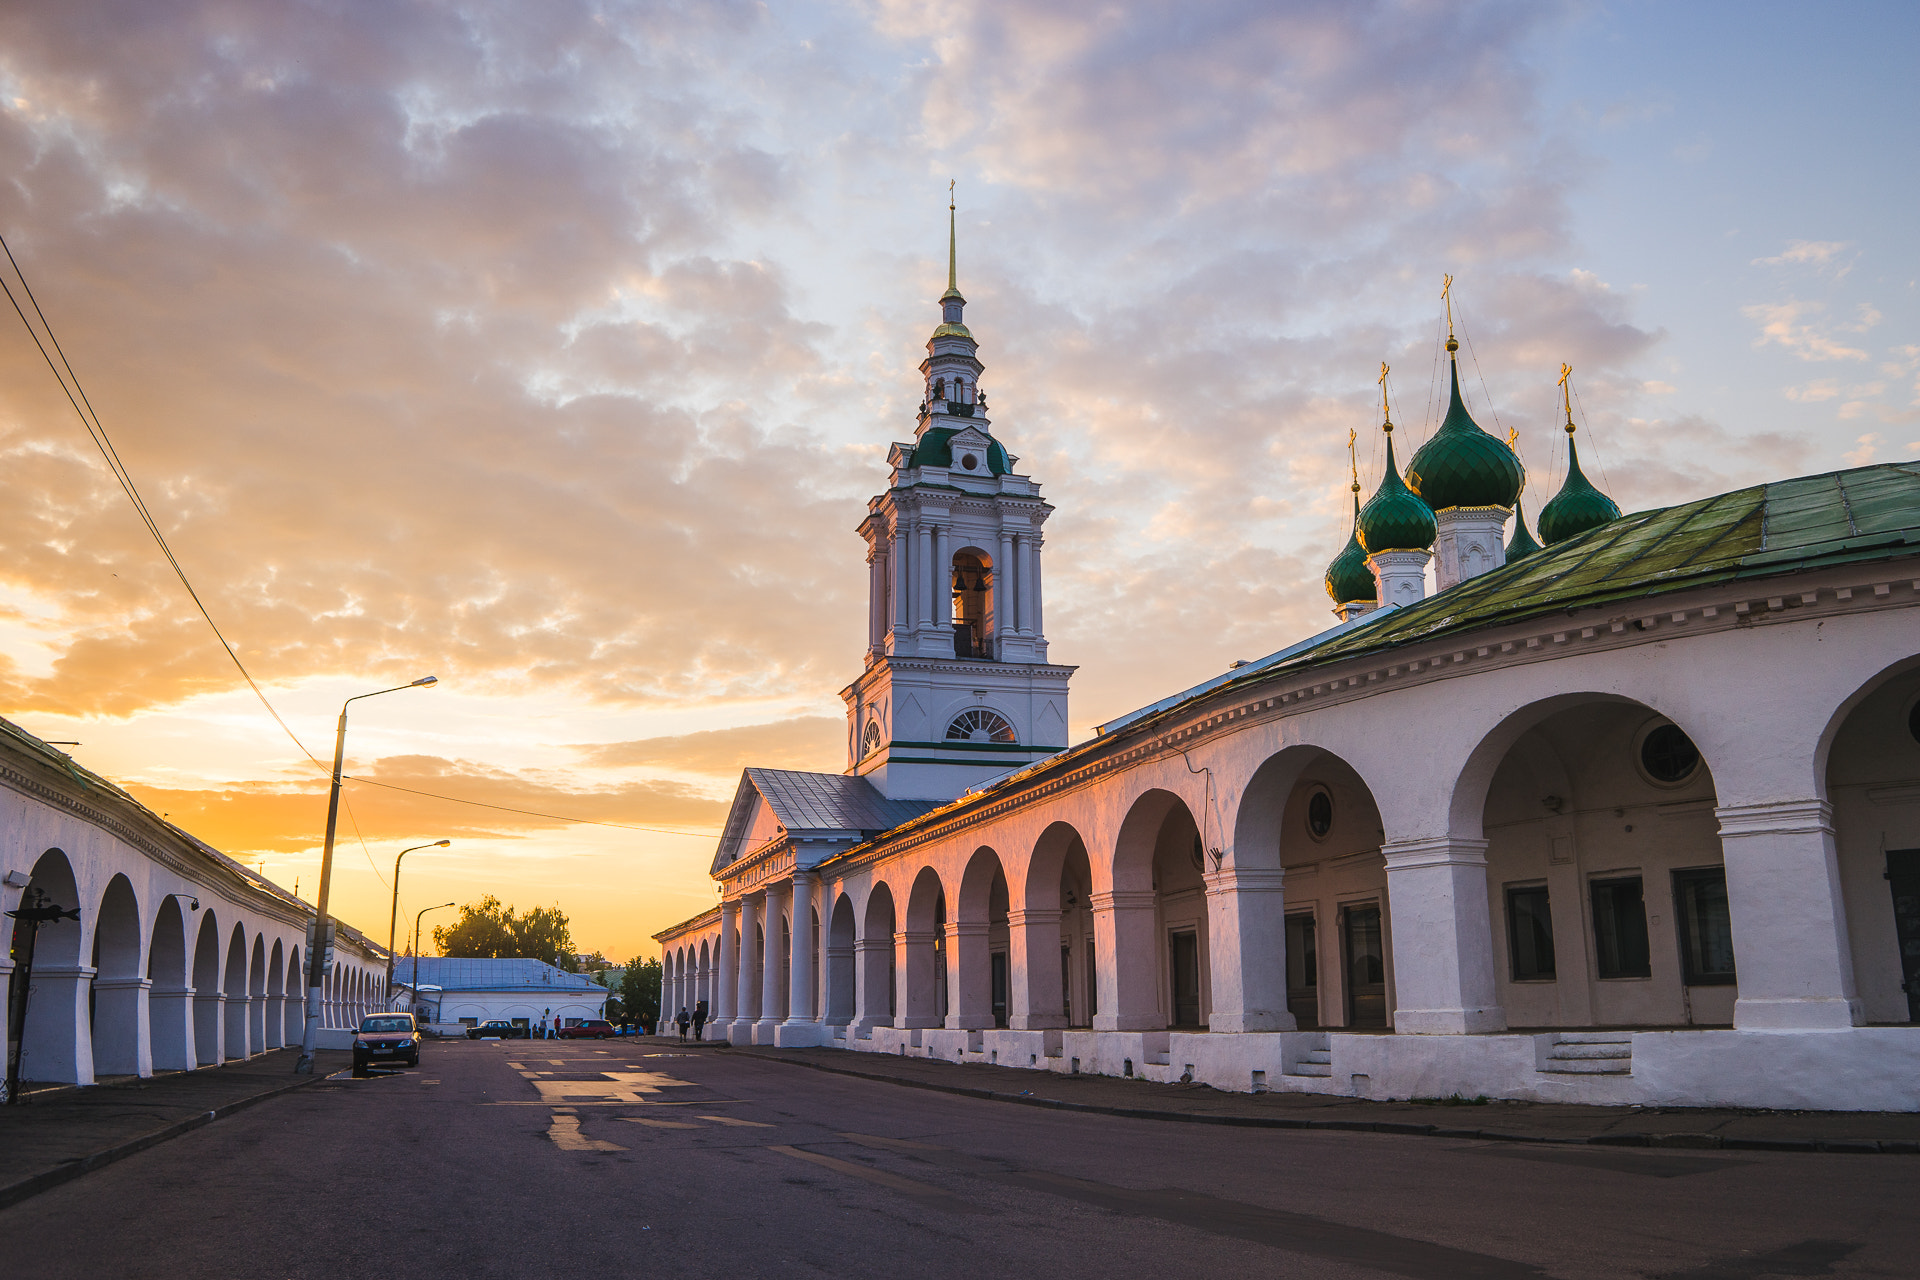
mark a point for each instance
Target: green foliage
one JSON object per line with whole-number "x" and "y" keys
{"x": 488, "y": 931}
{"x": 640, "y": 990}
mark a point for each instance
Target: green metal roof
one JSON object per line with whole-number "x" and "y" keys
{"x": 1522, "y": 544}
{"x": 1463, "y": 466}
{"x": 1868, "y": 513}
{"x": 1348, "y": 577}
{"x": 934, "y": 448}
{"x": 1395, "y": 519}
{"x": 1578, "y": 506}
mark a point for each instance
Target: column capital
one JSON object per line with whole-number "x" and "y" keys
{"x": 805, "y": 879}
{"x": 1782, "y": 818}
{"x": 1024, "y": 916}
{"x": 922, "y": 937}
{"x": 730, "y": 909}
{"x": 1244, "y": 880}
{"x": 1434, "y": 851}
{"x": 967, "y": 928}
{"x": 121, "y": 984}
{"x": 1122, "y": 900}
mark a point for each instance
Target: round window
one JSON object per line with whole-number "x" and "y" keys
{"x": 1319, "y": 815}
{"x": 1668, "y": 755}
{"x": 870, "y": 740}
{"x": 968, "y": 461}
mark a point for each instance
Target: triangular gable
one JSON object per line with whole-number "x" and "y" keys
{"x": 751, "y": 822}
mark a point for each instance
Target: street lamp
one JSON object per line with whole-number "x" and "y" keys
{"x": 416, "y": 945}
{"x": 322, "y": 926}
{"x": 393, "y": 912}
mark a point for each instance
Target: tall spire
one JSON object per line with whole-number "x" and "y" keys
{"x": 1349, "y": 581}
{"x": 1462, "y": 465}
{"x": 953, "y": 256}
{"x": 1394, "y": 519}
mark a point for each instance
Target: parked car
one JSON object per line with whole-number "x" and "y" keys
{"x": 386, "y": 1037}
{"x": 496, "y": 1029}
{"x": 587, "y": 1029}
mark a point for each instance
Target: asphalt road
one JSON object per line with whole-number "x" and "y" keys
{"x": 583, "y": 1159}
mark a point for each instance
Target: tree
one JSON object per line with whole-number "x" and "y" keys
{"x": 488, "y": 931}
{"x": 640, "y": 990}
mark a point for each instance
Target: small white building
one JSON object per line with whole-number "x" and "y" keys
{"x": 455, "y": 990}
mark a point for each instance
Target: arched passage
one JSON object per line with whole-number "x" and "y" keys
{"x": 1319, "y": 954}
{"x": 977, "y": 946}
{"x": 1050, "y": 936}
{"x": 922, "y": 958}
{"x": 120, "y": 985}
{"x": 1873, "y": 788}
{"x": 275, "y": 1013}
{"x": 295, "y": 1013}
{"x": 1606, "y": 891}
{"x": 257, "y": 995}
{"x": 235, "y": 991}
{"x": 207, "y": 1000}
{"x": 1153, "y": 921}
{"x": 841, "y": 937}
{"x": 54, "y": 1046}
{"x": 875, "y": 965}
{"x": 703, "y": 982}
{"x": 170, "y": 997}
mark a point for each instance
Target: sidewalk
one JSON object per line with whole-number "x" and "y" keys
{"x": 1830, "y": 1131}
{"x": 59, "y": 1134}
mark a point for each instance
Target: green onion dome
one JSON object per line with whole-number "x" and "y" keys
{"x": 1521, "y": 545}
{"x": 1463, "y": 466}
{"x": 935, "y": 449}
{"x": 1395, "y": 519}
{"x": 1349, "y": 580}
{"x": 1578, "y": 506}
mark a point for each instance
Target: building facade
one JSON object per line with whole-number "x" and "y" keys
{"x": 1633, "y": 817}
{"x": 454, "y": 991}
{"x": 180, "y": 958}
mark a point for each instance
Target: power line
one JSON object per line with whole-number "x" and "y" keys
{"x": 531, "y": 813}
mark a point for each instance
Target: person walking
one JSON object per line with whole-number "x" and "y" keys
{"x": 683, "y": 1020}
{"x": 699, "y": 1017}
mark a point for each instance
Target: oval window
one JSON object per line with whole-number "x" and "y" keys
{"x": 1319, "y": 815}
{"x": 1668, "y": 755}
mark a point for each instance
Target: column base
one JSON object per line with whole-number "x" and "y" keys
{"x": 1037, "y": 1022}
{"x": 763, "y": 1031}
{"x": 739, "y": 1031}
{"x": 1152, "y": 1021}
{"x": 799, "y": 1035}
{"x": 1820, "y": 1013}
{"x": 1449, "y": 1022}
{"x": 1259, "y": 1021}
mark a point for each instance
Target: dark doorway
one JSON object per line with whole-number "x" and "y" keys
{"x": 1066, "y": 985}
{"x": 1366, "y": 967}
{"x": 1303, "y": 973}
{"x": 1903, "y": 878}
{"x": 1184, "y": 951}
{"x": 998, "y": 969}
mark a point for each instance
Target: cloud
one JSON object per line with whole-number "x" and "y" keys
{"x": 807, "y": 742}
{"x": 1782, "y": 324}
{"x": 1815, "y": 253}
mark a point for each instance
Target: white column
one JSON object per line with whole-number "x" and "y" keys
{"x": 923, "y": 560}
{"x": 918, "y": 1003}
{"x": 801, "y": 1028}
{"x": 122, "y": 1040}
{"x": 1023, "y": 551}
{"x": 1033, "y": 970}
{"x": 969, "y": 976}
{"x": 942, "y": 575}
{"x": 1003, "y": 593}
{"x": 1790, "y": 945}
{"x": 1039, "y": 603}
{"x": 208, "y": 1017}
{"x": 1129, "y": 977}
{"x": 1400, "y": 577}
{"x": 1247, "y": 943}
{"x": 901, "y": 543}
{"x": 741, "y": 1031}
{"x": 1443, "y": 974}
{"x": 59, "y": 1042}
{"x": 1470, "y": 541}
{"x": 727, "y": 984}
{"x": 772, "y": 961}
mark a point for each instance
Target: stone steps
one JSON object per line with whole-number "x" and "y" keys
{"x": 1591, "y": 1053}
{"x": 1315, "y": 1062}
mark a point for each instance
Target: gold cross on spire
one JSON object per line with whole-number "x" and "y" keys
{"x": 1446, "y": 298}
{"x": 953, "y": 258}
{"x": 1386, "y": 411}
{"x": 1353, "y": 458}
{"x": 1566, "y": 392}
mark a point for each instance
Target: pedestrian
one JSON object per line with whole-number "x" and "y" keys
{"x": 699, "y": 1017}
{"x": 683, "y": 1020}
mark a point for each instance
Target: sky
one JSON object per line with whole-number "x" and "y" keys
{"x": 555, "y": 349}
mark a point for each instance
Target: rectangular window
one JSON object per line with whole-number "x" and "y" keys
{"x": 1303, "y": 978}
{"x": 997, "y": 978}
{"x": 1620, "y": 928}
{"x": 1706, "y": 927}
{"x": 1530, "y": 933}
{"x": 1184, "y": 952}
{"x": 1066, "y": 983}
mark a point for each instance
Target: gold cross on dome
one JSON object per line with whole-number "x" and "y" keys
{"x": 1386, "y": 412}
{"x": 1446, "y": 297}
{"x": 1566, "y": 392}
{"x": 1353, "y": 457}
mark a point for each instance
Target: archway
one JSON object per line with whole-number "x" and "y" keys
{"x": 875, "y": 960}
{"x": 703, "y": 981}
{"x": 922, "y": 958}
{"x": 235, "y": 991}
{"x": 120, "y": 985}
{"x": 974, "y": 597}
{"x": 977, "y": 946}
{"x": 54, "y": 1044}
{"x": 170, "y": 998}
{"x": 841, "y": 938}
{"x": 1050, "y": 937}
{"x": 1154, "y": 921}
{"x": 257, "y": 995}
{"x": 295, "y": 1013}
{"x": 1873, "y": 785}
{"x": 275, "y": 1011}
{"x": 1606, "y": 885}
{"x": 207, "y": 1000}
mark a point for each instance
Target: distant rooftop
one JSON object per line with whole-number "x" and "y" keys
{"x": 459, "y": 973}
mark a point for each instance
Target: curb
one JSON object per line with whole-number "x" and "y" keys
{"x": 1667, "y": 1141}
{"x": 27, "y": 1188}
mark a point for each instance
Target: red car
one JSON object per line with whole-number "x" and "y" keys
{"x": 386, "y": 1037}
{"x": 588, "y": 1029}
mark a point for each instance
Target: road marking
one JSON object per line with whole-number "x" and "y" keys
{"x": 735, "y": 1120}
{"x": 657, "y": 1124}
{"x": 566, "y": 1135}
{"x": 518, "y": 1066}
{"x": 880, "y": 1177}
{"x": 558, "y": 1062}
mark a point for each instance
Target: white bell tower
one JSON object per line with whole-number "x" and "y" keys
{"x": 957, "y": 688}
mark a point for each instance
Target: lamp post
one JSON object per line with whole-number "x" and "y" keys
{"x": 393, "y": 912}
{"x": 416, "y": 945}
{"x": 322, "y": 927}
